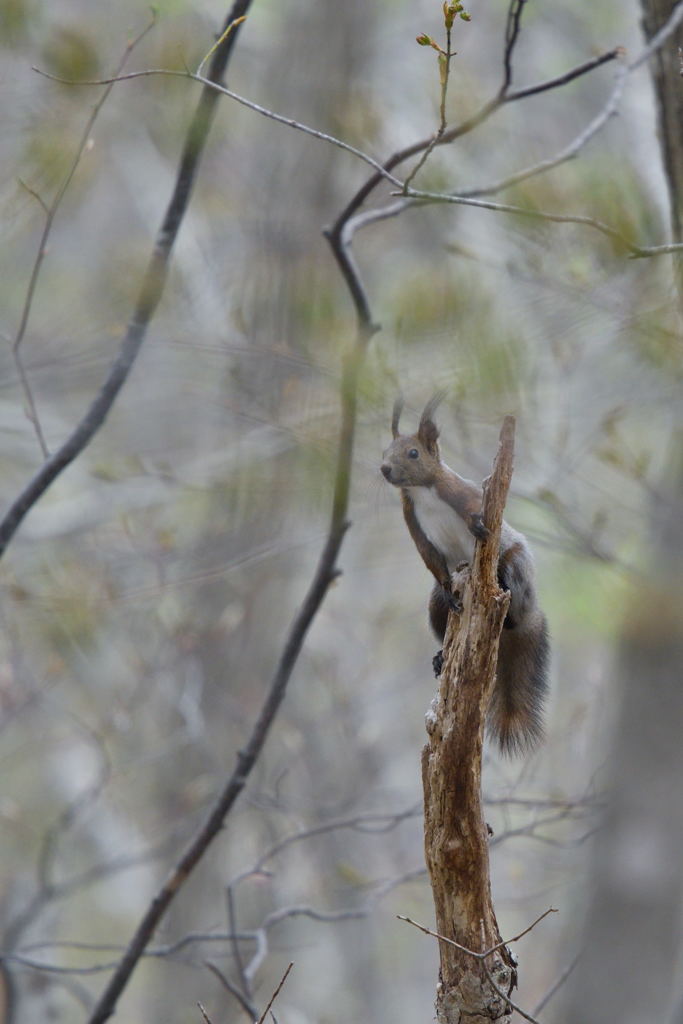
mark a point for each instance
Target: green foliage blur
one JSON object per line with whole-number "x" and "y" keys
{"x": 146, "y": 597}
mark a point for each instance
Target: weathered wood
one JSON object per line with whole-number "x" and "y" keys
{"x": 456, "y": 835}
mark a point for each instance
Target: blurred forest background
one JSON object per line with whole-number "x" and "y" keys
{"x": 146, "y": 597}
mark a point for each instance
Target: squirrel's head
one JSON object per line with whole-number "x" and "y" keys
{"x": 412, "y": 460}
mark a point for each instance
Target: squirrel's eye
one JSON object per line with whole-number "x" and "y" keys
{"x": 413, "y": 453}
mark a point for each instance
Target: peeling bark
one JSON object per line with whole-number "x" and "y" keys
{"x": 456, "y": 835}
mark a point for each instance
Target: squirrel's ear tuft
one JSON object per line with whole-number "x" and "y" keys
{"x": 396, "y": 415}
{"x": 428, "y": 431}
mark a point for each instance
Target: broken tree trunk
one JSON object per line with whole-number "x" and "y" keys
{"x": 456, "y": 835}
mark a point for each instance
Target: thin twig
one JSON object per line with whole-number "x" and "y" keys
{"x": 155, "y": 277}
{"x": 236, "y": 952}
{"x": 275, "y": 994}
{"x": 204, "y": 1013}
{"x": 74, "y": 809}
{"x": 504, "y": 97}
{"x": 567, "y": 153}
{"x": 47, "y": 889}
{"x": 50, "y": 214}
{"x": 416, "y": 199}
{"x": 529, "y": 831}
{"x": 482, "y": 115}
{"x": 148, "y": 299}
{"x": 471, "y": 952}
{"x": 512, "y": 29}
{"x": 249, "y": 1008}
{"x": 567, "y": 77}
{"x": 219, "y": 42}
{"x": 655, "y": 250}
{"x": 515, "y": 938}
{"x": 557, "y": 984}
{"x": 506, "y": 997}
{"x": 444, "y": 75}
{"x": 246, "y": 758}
{"x": 368, "y": 823}
{"x": 482, "y": 956}
{"x": 574, "y": 147}
{"x": 557, "y": 218}
{"x": 258, "y": 936}
{"x": 56, "y": 891}
{"x": 326, "y": 571}
{"x": 667, "y": 29}
{"x": 249, "y": 104}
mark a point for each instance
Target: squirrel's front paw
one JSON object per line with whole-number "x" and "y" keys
{"x": 477, "y": 527}
{"x": 437, "y": 663}
{"x": 454, "y": 602}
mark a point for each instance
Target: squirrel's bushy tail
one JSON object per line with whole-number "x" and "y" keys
{"x": 515, "y": 713}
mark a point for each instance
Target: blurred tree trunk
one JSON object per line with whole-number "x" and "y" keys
{"x": 666, "y": 73}
{"x": 628, "y": 971}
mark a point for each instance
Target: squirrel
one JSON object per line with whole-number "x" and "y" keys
{"x": 443, "y": 513}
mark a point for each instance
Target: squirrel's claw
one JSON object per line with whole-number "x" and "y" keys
{"x": 477, "y": 527}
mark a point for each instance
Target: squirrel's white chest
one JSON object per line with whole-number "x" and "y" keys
{"x": 442, "y": 526}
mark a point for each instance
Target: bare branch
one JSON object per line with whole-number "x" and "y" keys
{"x": 148, "y": 299}
{"x": 325, "y": 573}
{"x": 55, "y": 891}
{"x": 568, "y": 76}
{"x": 47, "y": 889}
{"x": 512, "y": 29}
{"x": 488, "y": 108}
{"x": 249, "y": 104}
{"x": 50, "y": 214}
{"x": 246, "y": 1004}
{"x": 236, "y": 952}
{"x": 556, "y": 218}
{"x": 73, "y": 809}
{"x": 506, "y": 997}
{"x": 219, "y": 42}
{"x": 660, "y": 37}
{"x": 481, "y": 957}
{"x": 247, "y": 757}
{"x": 530, "y": 831}
{"x": 567, "y": 153}
{"x": 472, "y": 952}
{"x": 557, "y": 984}
{"x": 445, "y": 57}
{"x": 275, "y": 994}
{"x": 258, "y": 936}
{"x": 643, "y": 251}
{"x": 36, "y": 965}
{"x": 516, "y": 938}
{"x": 369, "y": 823}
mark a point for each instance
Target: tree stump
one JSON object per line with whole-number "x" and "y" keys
{"x": 456, "y": 835}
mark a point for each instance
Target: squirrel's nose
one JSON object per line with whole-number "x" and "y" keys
{"x": 386, "y": 470}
